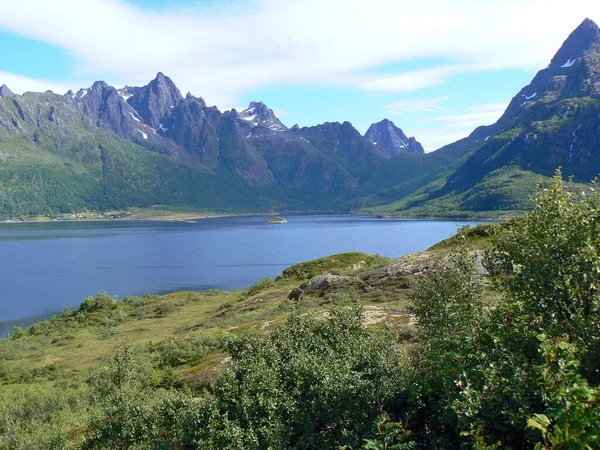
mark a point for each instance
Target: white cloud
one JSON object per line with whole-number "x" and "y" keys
{"x": 475, "y": 116}
{"x": 449, "y": 128}
{"x": 219, "y": 51}
{"x": 20, "y": 84}
{"x": 416, "y": 105}
{"x": 405, "y": 82}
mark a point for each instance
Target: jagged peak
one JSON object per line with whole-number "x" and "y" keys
{"x": 155, "y": 100}
{"x": 388, "y": 125}
{"x": 126, "y": 92}
{"x": 579, "y": 41}
{"x": 100, "y": 85}
{"x": 5, "y": 91}
{"x": 258, "y": 109}
{"x": 392, "y": 139}
{"x": 385, "y": 121}
{"x": 589, "y": 24}
{"x": 163, "y": 81}
{"x": 257, "y": 105}
{"x": 258, "y": 113}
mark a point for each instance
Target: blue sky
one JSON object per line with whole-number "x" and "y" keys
{"x": 436, "y": 68}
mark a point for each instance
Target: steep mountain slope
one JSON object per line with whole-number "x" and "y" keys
{"x": 552, "y": 122}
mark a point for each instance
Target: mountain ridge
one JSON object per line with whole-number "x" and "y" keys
{"x": 552, "y": 122}
{"x": 252, "y": 151}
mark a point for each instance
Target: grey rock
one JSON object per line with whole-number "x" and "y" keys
{"x": 23, "y": 112}
{"x": 579, "y": 41}
{"x": 573, "y": 72}
{"x": 259, "y": 114}
{"x": 193, "y": 126}
{"x": 155, "y": 100}
{"x": 5, "y": 92}
{"x": 238, "y": 155}
{"x": 414, "y": 264}
{"x": 103, "y": 104}
{"x": 392, "y": 139}
{"x": 323, "y": 282}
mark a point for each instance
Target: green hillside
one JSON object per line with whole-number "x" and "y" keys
{"x": 54, "y": 160}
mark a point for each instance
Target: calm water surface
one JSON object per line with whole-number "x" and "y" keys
{"x": 46, "y": 266}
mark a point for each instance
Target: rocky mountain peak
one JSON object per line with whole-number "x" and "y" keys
{"x": 392, "y": 139}
{"x": 108, "y": 109}
{"x": 259, "y": 114}
{"x": 579, "y": 41}
{"x": 155, "y": 100}
{"x": 99, "y": 89}
{"x": 5, "y": 91}
{"x": 573, "y": 72}
{"x": 100, "y": 85}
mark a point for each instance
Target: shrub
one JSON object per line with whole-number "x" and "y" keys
{"x": 101, "y": 302}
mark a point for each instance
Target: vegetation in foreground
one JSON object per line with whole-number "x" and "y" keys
{"x": 430, "y": 351}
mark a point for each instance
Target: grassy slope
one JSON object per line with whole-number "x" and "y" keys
{"x": 67, "y": 347}
{"x": 497, "y": 178}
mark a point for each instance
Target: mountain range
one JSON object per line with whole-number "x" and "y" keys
{"x": 104, "y": 148}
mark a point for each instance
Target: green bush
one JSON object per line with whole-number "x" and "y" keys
{"x": 522, "y": 373}
{"x": 313, "y": 383}
{"x": 102, "y": 302}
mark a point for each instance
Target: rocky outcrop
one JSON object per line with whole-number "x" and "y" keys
{"x": 414, "y": 264}
{"x": 323, "y": 282}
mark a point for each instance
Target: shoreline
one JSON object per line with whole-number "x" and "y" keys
{"x": 153, "y": 214}
{"x": 156, "y": 218}
{"x": 173, "y": 216}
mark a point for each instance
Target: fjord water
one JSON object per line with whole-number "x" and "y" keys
{"x": 46, "y": 266}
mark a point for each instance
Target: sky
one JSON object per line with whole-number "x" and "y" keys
{"x": 436, "y": 68}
